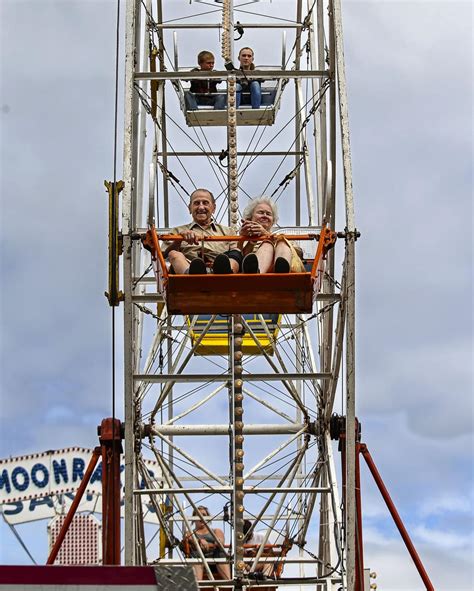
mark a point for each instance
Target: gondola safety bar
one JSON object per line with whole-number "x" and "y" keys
{"x": 326, "y": 240}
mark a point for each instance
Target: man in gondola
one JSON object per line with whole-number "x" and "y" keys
{"x": 192, "y": 255}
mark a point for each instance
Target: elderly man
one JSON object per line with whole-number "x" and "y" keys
{"x": 191, "y": 255}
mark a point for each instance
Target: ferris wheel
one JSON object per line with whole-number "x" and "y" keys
{"x": 231, "y": 380}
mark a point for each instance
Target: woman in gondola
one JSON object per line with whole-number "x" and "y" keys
{"x": 207, "y": 543}
{"x": 271, "y": 252}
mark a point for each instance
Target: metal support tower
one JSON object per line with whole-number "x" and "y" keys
{"x": 236, "y": 410}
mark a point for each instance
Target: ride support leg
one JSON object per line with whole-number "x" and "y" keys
{"x": 396, "y": 517}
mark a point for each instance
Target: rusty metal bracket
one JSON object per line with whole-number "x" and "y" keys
{"x": 114, "y": 295}
{"x": 148, "y": 243}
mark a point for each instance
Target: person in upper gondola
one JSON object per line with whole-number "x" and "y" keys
{"x": 271, "y": 253}
{"x": 249, "y": 92}
{"x": 190, "y": 255}
{"x": 204, "y": 92}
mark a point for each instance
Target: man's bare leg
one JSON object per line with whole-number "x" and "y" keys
{"x": 178, "y": 261}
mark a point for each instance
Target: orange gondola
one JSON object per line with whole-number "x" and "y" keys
{"x": 273, "y": 293}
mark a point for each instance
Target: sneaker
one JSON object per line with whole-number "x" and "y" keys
{"x": 250, "y": 264}
{"x": 197, "y": 267}
{"x": 282, "y": 265}
{"x": 221, "y": 265}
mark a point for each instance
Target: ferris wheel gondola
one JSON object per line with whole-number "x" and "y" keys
{"x": 273, "y": 293}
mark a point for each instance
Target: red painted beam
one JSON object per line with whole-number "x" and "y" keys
{"x": 110, "y": 437}
{"x": 396, "y": 517}
{"x": 72, "y": 509}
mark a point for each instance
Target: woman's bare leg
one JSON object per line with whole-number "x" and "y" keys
{"x": 265, "y": 257}
{"x": 198, "y": 571}
{"x": 223, "y": 571}
{"x": 283, "y": 250}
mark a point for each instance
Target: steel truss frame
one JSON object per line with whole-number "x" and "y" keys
{"x": 289, "y": 468}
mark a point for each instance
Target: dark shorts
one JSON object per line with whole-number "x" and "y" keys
{"x": 236, "y": 255}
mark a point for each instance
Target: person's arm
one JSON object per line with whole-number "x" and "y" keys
{"x": 194, "y": 87}
{"x": 188, "y": 236}
{"x": 204, "y": 544}
{"x": 250, "y": 228}
{"x": 186, "y": 543}
{"x": 219, "y": 535}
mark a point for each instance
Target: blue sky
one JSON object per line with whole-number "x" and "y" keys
{"x": 409, "y": 71}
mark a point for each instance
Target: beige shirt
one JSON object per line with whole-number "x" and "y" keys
{"x": 206, "y": 250}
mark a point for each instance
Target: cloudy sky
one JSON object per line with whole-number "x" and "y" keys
{"x": 409, "y": 71}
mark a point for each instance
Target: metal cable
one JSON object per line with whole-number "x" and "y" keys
{"x": 143, "y": 96}
{"x": 114, "y": 253}
{"x": 19, "y": 538}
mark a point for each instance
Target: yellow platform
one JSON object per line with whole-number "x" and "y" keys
{"x": 216, "y": 339}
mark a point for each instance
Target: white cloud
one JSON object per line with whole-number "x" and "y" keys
{"x": 396, "y": 572}
{"x": 446, "y": 540}
{"x": 444, "y": 503}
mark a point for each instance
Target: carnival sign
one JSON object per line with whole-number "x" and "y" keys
{"x": 40, "y": 486}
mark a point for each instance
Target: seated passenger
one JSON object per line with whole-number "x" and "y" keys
{"x": 249, "y": 92}
{"x": 204, "y": 92}
{"x": 266, "y": 568}
{"x": 271, "y": 253}
{"x": 190, "y": 255}
{"x": 207, "y": 543}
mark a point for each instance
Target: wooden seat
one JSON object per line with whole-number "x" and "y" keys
{"x": 275, "y": 569}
